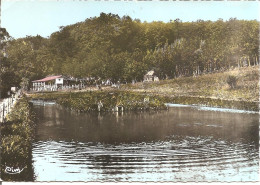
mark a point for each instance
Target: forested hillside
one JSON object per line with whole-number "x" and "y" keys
{"x": 120, "y": 48}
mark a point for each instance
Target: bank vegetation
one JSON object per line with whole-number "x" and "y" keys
{"x": 17, "y": 134}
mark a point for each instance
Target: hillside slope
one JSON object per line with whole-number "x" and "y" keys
{"x": 209, "y": 86}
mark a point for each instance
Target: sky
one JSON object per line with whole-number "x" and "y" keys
{"x": 22, "y": 18}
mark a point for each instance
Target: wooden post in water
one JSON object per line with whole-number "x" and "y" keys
{"x": 100, "y": 105}
{"x": 119, "y": 108}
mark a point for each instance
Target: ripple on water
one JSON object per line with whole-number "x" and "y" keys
{"x": 189, "y": 155}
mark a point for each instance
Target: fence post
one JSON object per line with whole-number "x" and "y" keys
{"x": 1, "y": 119}
{"x": 3, "y": 112}
{"x": 8, "y": 106}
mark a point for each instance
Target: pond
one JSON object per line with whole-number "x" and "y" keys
{"x": 179, "y": 144}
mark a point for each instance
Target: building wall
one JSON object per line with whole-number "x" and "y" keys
{"x": 59, "y": 81}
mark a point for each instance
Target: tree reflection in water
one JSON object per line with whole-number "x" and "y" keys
{"x": 179, "y": 144}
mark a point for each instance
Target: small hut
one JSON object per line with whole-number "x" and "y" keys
{"x": 150, "y": 76}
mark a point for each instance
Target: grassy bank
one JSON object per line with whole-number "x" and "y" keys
{"x": 88, "y": 101}
{"x": 207, "y": 90}
{"x": 212, "y": 86}
{"x": 17, "y": 134}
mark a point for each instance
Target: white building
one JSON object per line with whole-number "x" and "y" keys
{"x": 150, "y": 76}
{"x": 50, "y": 83}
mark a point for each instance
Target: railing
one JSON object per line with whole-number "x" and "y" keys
{"x": 38, "y": 88}
{"x": 7, "y": 104}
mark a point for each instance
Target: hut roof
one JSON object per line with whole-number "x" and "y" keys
{"x": 150, "y": 73}
{"x": 49, "y": 78}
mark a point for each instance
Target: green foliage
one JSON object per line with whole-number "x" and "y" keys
{"x": 119, "y": 48}
{"x": 17, "y": 134}
{"x": 5, "y": 72}
{"x": 87, "y": 101}
{"x": 24, "y": 83}
{"x": 232, "y": 81}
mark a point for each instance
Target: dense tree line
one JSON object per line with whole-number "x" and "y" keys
{"x": 120, "y": 48}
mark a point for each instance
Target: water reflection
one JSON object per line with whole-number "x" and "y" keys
{"x": 182, "y": 144}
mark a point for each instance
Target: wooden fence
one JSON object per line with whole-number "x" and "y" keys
{"x": 7, "y": 104}
{"x": 38, "y": 88}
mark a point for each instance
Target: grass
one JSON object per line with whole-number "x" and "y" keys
{"x": 88, "y": 101}
{"x": 208, "y": 86}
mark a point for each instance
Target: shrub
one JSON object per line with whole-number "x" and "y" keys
{"x": 232, "y": 81}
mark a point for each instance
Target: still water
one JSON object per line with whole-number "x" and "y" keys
{"x": 181, "y": 144}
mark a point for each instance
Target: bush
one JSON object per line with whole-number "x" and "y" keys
{"x": 232, "y": 81}
{"x": 16, "y": 140}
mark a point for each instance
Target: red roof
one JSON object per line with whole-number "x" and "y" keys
{"x": 47, "y": 78}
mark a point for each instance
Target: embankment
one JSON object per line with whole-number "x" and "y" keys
{"x": 136, "y": 101}
{"x": 17, "y": 134}
{"x": 206, "y": 90}
{"x": 212, "y": 85}
{"x": 109, "y": 99}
